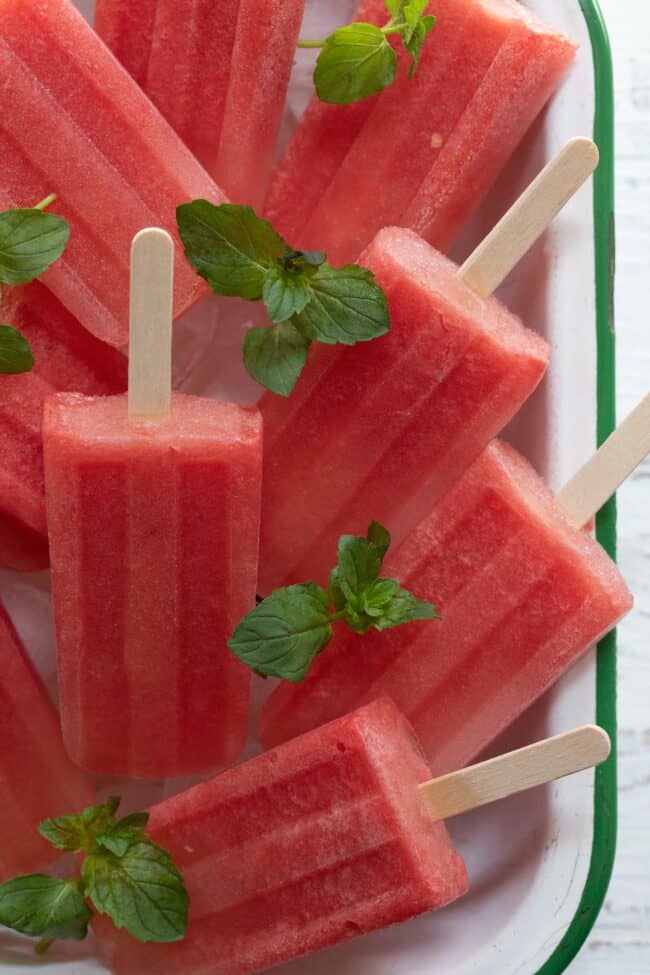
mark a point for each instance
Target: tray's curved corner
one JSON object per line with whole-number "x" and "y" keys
{"x": 605, "y": 798}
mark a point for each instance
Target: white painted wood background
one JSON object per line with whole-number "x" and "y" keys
{"x": 620, "y": 942}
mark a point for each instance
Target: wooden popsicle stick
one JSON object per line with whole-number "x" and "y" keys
{"x": 150, "y": 330}
{"x": 595, "y": 483}
{"x": 526, "y": 220}
{"x": 515, "y": 772}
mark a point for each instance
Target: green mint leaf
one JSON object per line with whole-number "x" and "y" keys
{"x": 230, "y": 246}
{"x": 360, "y": 561}
{"x": 283, "y": 634}
{"x": 346, "y": 306}
{"x": 417, "y": 32}
{"x": 396, "y": 9}
{"x": 356, "y": 61}
{"x": 388, "y": 605}
{"x": 141, "y": 891}
{"x": 121, "y": 836}
{"x": 275, "y": 356}
{"x": 30, "y": 241}
{"x": 44, "y": 907}
{"x": 79, "y": 831}
{"x": 15, "y": 353}
{"x": 286, "y": 292}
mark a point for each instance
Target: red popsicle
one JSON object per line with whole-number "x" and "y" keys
{"x": 67, "y": 358}
{"x": 522, "y": 594}
{"x": 316, "y": 149}
{"x": 74, "y": 123}
{"x": 321, "y": 840}
{"x": 37, "y": 779}
{"x": 383, "y": 429}
{"x": 433, "y": 146}
{"x": 153, "y": 511}
{"x": 179, "y": 52}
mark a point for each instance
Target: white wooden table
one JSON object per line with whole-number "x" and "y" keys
{"x": 620, "y": 942}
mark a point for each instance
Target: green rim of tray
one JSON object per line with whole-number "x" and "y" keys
{"x": 605, "y": 800}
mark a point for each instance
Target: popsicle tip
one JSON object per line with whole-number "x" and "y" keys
{"x": 588, "y": 150}
{"x": 601, "y": 743}
{"x": 152, "y": 234}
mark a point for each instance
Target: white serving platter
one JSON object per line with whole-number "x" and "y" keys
{"x": 538, "y": 863}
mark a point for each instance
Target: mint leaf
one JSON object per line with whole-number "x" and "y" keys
{"x": 283, "y": 634}
{"x": 30, "y": 241}
{"x": 141, "y": 891}
{"x": 80, "y": 831}
{"x": 388, "y": 605}
{"x": 229, "y": 246}
{"x": 286, "y": 292}
{"x": 359, "y": 561}
{"x": 347, "y": 306}
{"x": 356, "y": 61}
{"x": 15, "y": 353}
{"x": 120, "y": 836}
{"x": 275, "y": 356}
{"x": 239, "y": 254}
{"x": 416, "y": 34}
{"x": 44, "y": 907}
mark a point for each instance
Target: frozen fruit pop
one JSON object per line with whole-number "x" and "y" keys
{"x": 179, "y": 52}
{"x": 522, "y": 592}
{"x": 383, "y": 429}
{"x": 431, "y": 147}
{"x": 37, "y": 779}
{"x": 153, "y": 514}
{"x": 332, "y": 835}
{"x": 317, "y": 148}
{"x": 219, "y": 77}
{"x": 74, "y": 123}
{"x": 67, "y": 358}
{"x": 263, "y": 56}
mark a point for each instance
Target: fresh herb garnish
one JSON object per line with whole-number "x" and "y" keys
{"x": 30, "y": 241}
{"x": 307, "y": 300}
{"x": 124, "y": 875}
{"x": 358, "y": 60}
{"x": 285, "y": 632}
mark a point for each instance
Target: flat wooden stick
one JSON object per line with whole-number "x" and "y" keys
{"x": 517, "y": 231}
{"x": 515, "y": 772}
{"x": 595, "y": 483}
{"x": 150, "y": 335}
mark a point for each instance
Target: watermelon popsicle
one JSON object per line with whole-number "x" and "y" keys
{"x": 383, "y": 429}
{"x": 67, "y": 358}
{"x": 219, "y": 78}
{"x": 439, "y": 140}
{"x": 153, "y": 513}
{"x": 37, "y": 779}
{"x": 522, "y": 592}
{"x": 75, "y": 124}
{"x": 318, "y": 146}
{"x": 330, "y": 836}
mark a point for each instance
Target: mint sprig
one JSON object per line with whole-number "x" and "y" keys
{"x": 30, "y": 242}
{"x": 306, "y": 299}
{"x": 124, "y": 875}
{"x": 358, "y": 61}
{"x": 287, "y": 630}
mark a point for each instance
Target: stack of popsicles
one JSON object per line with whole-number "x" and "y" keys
{"x": 426, "y": 151}
{"x": 219, "y": 76}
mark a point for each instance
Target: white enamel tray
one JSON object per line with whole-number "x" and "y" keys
{"x": 539, "y": 863}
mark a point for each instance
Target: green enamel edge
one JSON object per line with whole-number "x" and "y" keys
{"x": 605, "y": 794}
